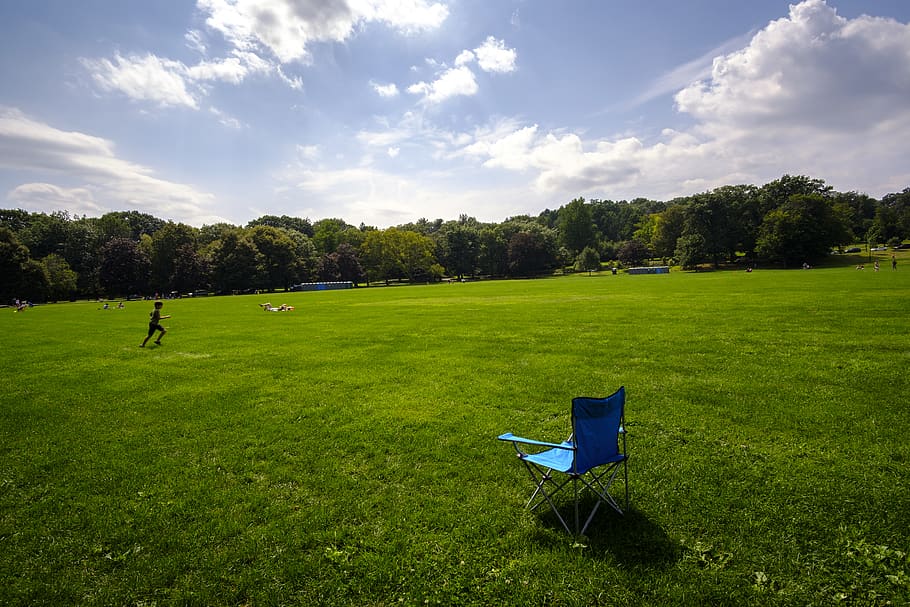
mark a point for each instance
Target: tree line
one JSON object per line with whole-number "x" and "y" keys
{"x": 787, "y": 222}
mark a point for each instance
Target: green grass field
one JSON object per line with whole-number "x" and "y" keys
{"x": 345, "y": 454}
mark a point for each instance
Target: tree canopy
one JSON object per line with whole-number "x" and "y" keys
{"x": 789, "y": 221}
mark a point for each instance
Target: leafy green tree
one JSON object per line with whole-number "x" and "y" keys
{"x": 744, "y": 214}
{"x": 777, "y": 193}
{"x": 124, "y": 267}
{"x": 327, "y": 268}
{"x": 588, "y": 260}
{"x": 327, "y": 234}
{"x": 803, "y": 230}
{"x": 192, "y": 270}
{"x": 691, "y": 250}
{"x": 279, "y": 263}
{"x": 213, "y": 233}
{"x": 576, "y": 226}
{"x": 492, "y": 258}
{"x": 460, "y": 245}
{"x": 139, "y": 223}
{"x": 378, "y": 257}
{"x": 898, "y": 211}
{"x": 15, "y": 220}
{"x": 46, "y": 234}
{"x": 236, "y": 263}
{"x": 82, "y": 253}
{"x": 284, "y": 222}
{"x": 708, "y": 215}
{"x": 668, "y": 227}
{"x": 305, "y": 256}
{"x": 531, "y": 253}
{"x": 348, "y": 263}
{"x": 165, "y": 244}
{"x": 13, "y": 256}
{"x": 633, "y": 253}
{"x": 857, "y": 211}
{"x": 62, "y": 280}
{"x": 415, "y": 253}
{"x": 33, "y": 281}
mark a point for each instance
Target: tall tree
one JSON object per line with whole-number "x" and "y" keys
{"x": 279, "y": 263}
{"x": 62, "y": 280}
{"x": 124, "y": 267}
{"x": 327, "y": 234}
{"x": 802, "y": 230}
{"x": 709, "y": 216}
{"x": 460, "y": 248}
{"x": 236, "y": 263}
{"x": 667, "y": 230}
{"x": 192, "y": 270}
{"x": 588, "y": 260}
{"x": 13, "y": 256}
{"x": 348, "y": 263}
{"x": 165, "y": 244}
{"x": 576, "y": 226}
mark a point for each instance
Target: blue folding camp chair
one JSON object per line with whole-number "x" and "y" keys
{"x": 592, "y": 455}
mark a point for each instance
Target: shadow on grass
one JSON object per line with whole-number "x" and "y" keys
{"x": 632, "y": 539}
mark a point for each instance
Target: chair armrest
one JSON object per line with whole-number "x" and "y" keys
{"x": 527, "y": 441}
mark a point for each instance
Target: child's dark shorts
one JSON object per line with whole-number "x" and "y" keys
{"x": 153, "y": 326}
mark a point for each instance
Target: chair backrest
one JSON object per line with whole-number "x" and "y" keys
{"x": 595, "y": 427}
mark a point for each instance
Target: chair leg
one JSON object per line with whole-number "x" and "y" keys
{"x": 575, "y": 488}
{"x": 625, "y": 479}
{"x": 541, "y": 478}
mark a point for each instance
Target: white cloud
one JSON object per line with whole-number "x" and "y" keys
{"x": 106, "y": 182}
{"x": 287, "y": 28}
{"x": 812, "y": 93}
{"x": 393, "y": 152}
{"x": 456, "y": 81}
{"x": 465, "y": 57}
{"x": 283, "y": 28}
{"x": 493, "y": 56}
{"x": 813, "y": 69}
{"x": 49, "y": 198}
{"x": 148, "y": 78}
{"x": 167, "y": 82}
{"x": 385, "y": 90}
{"x": 308, "y": 153}
{"x": 226, "y": 120}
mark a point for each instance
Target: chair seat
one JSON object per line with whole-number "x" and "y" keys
{"x": 561, "y": 459}
{"x": 555, "y": 459}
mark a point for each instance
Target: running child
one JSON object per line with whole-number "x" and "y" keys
{"x": 155, "y": 324}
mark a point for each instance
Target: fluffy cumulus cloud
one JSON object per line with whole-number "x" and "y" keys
{"x": 491, "y": 56}
{"x": 453, "y": 82}
{"x": 385, "y": 90}
{"x": 262, "y": 35}
{"x": 811, "y": 93}
{"x": 106, "y": 182}
{"x": 167, "y": 82}
{"x": 288, "y": 28}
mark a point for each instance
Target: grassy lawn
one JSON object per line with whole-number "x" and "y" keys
{"x": 345, "y": 452}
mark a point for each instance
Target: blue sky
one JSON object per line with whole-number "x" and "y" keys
{"x": 385, "y": 111}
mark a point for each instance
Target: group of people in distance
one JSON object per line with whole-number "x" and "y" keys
{"x": 282, "y": 308}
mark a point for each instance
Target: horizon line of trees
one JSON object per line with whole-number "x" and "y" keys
{"x": 789, "y": 221}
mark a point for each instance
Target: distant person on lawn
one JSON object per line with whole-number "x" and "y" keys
{"x": 155, "y": 324}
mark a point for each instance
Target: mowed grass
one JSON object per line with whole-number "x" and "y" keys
{"x": 345, "y": 454}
